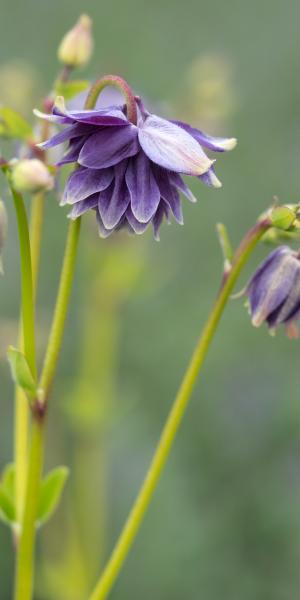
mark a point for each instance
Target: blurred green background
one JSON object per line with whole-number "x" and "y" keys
{"x": 225, "y": 521}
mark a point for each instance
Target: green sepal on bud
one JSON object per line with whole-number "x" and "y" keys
{"x": 285, "y": 222}
{"x": 30, "y": 175}
{"x": 76, "y": 47}
{"x": 283, "y": 217}
{"x": 3, "y": 231}
{"x": 21, "y": 372}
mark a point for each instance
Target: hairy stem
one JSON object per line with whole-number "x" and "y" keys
{"x": 174, "y": 419}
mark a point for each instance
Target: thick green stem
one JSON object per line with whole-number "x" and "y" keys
{"x": 25, "y": 557}
{"x": 174, "y": 419}
{"x": 122, "y": 86}
{"x": 62, "y": 303}
{"x": 22, "y": 412}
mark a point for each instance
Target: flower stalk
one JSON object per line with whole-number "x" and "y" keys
{"x": 176, "y": 414}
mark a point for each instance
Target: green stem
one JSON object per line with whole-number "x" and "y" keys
{"x": 62, "y": 303}
{"x": 22, "y": 412}
{"x": 25, "y": 557}
{"x": 174, "y": 419}
{"x": 26, "y": 283}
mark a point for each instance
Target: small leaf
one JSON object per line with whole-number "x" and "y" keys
{"x": 21, "y": 372}
{"x": 69, "y": 89}
{"x": 50, "y": 493}
{"x": 8, "y": 480}
{"x": 13, "y": 125}
{"x": 7, "y": 508}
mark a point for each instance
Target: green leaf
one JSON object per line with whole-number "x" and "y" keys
{"x": 7, "y": 508}
{"x": 13, "y": 125}
{"x": 21, "y": 372}
{"x": 8, "y": 480}
{"x": 69, "y": 89}
{"x": 50, "y": 493}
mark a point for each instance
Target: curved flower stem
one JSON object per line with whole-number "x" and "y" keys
{"x": 176, "y": 414}
{"x": 22, "y": 411}
{"x": 122, "y": 86}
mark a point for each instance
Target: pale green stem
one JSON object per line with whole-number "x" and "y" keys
{"x": 174, "y": 419}
{"x": 62, "y": 303}
{"x": 25, "y": 558}
{"x": 22, "y": 412}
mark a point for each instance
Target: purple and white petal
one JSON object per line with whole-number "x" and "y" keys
{"x": 83, "y": 206}
{"x": 135, "y": 225}
{"x": 114, "y": 200}
{"x": 142, "y": 186}
{"x": 272, "y": 287}
{"x": 103, "y": 232}
{"x": 290, "y": 307}
{"x": 104, "y": 118}
{"x": 178, "y": 182}
{"x": 108, "y": 147}
{"x": 76, "y": 130}
{"x": 210, "y": 178}
{"x": 216, "y": 144}
{"x": 169, "y": 193}
{"x": 85, "y": 182}
{"x": 171, "y": 147}
{"x": 162, "y": 211}
{"x": 72, "y": 154}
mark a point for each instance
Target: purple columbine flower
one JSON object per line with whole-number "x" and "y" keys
{"x": 274, "y": 291}
{"x": 130, "y": 174}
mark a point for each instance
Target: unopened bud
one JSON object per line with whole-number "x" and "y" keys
{"x": 31, "y": 175}
{"x": 283, "y": 217}
{"x": 76, "y": 47}
{"x": 3, "y": 230}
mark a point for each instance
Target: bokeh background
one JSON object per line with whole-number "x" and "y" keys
{"x": 225, "y": 521}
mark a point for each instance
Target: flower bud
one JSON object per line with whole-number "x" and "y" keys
{"x": 3, "y": 229}
{"x": 31, "y": 175}
{"x": 274, "y": 291}
{"x": 76, "y": 47}
{"x": 283, "y": 217}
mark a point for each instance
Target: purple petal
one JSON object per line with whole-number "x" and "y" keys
{"x": 108, "y": 147}
{"x": 271, "y": 287}
{"x": 288, "y": 310}
{"x": 100, "y": 117}
{"x": 83, "y": 206}
{"x": 59, "y": 119}
{"x": 169, "y": 193}
{"x": 171, "y": 147}
{"x": 143, "y": 189}
{"x": 103, "y": 232}
{"x": 163, "y": 210}
{"x": 67, "y": 134}
{"x": 72, "y": 153}
{"x": 216, "y": 144}
{"x": 210, "y": 178}
{"x": 178, "y": 182}
{"x": 135, "y": 225}
{"x": 85, "y": 182}
{"x": 114, "y": 200}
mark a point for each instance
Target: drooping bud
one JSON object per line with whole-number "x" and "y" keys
{"x": 3, "y": 229}
{"x": 274, "y": 291}
{"x": 31, "y": 175}
{"x": 76, "y": 47}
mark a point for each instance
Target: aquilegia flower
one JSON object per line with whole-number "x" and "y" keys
{"x": 274, "y": 291}
{"x": 130, "y": 174}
